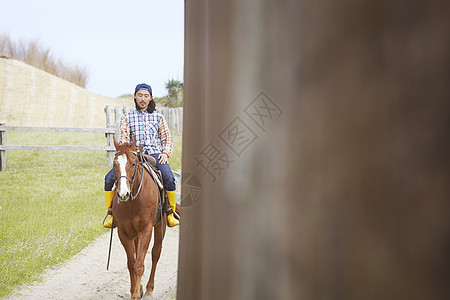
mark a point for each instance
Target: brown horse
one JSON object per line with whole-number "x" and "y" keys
{"x": 135, "y": 207}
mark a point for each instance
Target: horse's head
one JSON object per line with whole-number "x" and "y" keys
{"x": 125, "y": 168}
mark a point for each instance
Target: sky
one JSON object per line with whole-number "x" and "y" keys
{"x": 121, "y": 43}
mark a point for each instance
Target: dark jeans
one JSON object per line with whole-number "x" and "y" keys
{"x": 166, "y": 172}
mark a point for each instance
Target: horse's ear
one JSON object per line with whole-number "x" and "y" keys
{"x": 116, "y": 144}
{"x": 133, "y": 144}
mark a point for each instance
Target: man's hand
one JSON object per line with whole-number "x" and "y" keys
{"x": 163, "y": 159}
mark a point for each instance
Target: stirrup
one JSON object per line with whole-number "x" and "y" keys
{"x": 109, "y": 213}
{"x": 169, "y": 210}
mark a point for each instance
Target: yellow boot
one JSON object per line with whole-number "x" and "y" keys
{"x": 172, "y": 195}
{"x": 107, "y": 223}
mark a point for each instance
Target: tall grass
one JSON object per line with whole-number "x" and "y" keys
{"x": 34, "y": 54}
{"x": 51, "y": 203}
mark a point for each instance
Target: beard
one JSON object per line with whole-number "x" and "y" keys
{"x": 150, "y": 108}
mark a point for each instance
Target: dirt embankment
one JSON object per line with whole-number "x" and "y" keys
{"x": 47, "y": 100}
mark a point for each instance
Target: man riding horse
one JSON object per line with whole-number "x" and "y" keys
{"x": 151, "y": 132}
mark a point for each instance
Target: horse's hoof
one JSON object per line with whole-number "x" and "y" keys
{"x": 147, "y": 298}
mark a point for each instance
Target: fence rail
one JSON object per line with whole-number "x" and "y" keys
{"x": 109, "y": 147}
{"x": 56, "y": 148}
{"x": 55, "y": 129}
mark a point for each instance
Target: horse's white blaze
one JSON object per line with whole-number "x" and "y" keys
{"x": 122, "y": 160}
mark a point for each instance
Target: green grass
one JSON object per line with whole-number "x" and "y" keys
{"x": 173, "y": 295}
{"x": 175, "y": 159}
{"x": 51, "y": 203}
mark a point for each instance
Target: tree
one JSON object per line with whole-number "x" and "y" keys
{"x": 175, "y": 92}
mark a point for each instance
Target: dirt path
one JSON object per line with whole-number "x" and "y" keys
{"x": 85, "y": 275}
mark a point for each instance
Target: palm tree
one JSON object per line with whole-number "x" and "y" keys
{"x": 175, "y": 91}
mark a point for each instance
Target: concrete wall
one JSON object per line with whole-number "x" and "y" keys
{"x": 31, "y": 97}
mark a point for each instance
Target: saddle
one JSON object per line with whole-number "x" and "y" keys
{"x": 149, "y": 159}
{"x": 149, "y": 163}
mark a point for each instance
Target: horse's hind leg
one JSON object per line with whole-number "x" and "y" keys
{"x": 160, "y": 231}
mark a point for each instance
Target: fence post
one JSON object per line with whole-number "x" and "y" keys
{"x": 119, "y": 110}
{"x": 179, "y": 114}
{"x": 2, "y": 143}
{"x": 109, "y": 136}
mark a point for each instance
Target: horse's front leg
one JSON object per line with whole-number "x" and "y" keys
{"x": 160, "y": 231}
{"x": 143, "y": 242}
{"x": 130, "y": 249}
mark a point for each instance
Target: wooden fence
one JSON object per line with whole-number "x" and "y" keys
{"x": 174, "y": 119}
{"x": 113, "y": 114}
{"x": 109, "y": 147}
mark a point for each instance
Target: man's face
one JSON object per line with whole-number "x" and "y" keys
{"x": 143, "y": 98}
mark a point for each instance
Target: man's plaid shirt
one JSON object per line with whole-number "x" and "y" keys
{"x": 151, "y": 131}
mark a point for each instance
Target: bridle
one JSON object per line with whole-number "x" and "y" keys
{"x": 131, "y": 182}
